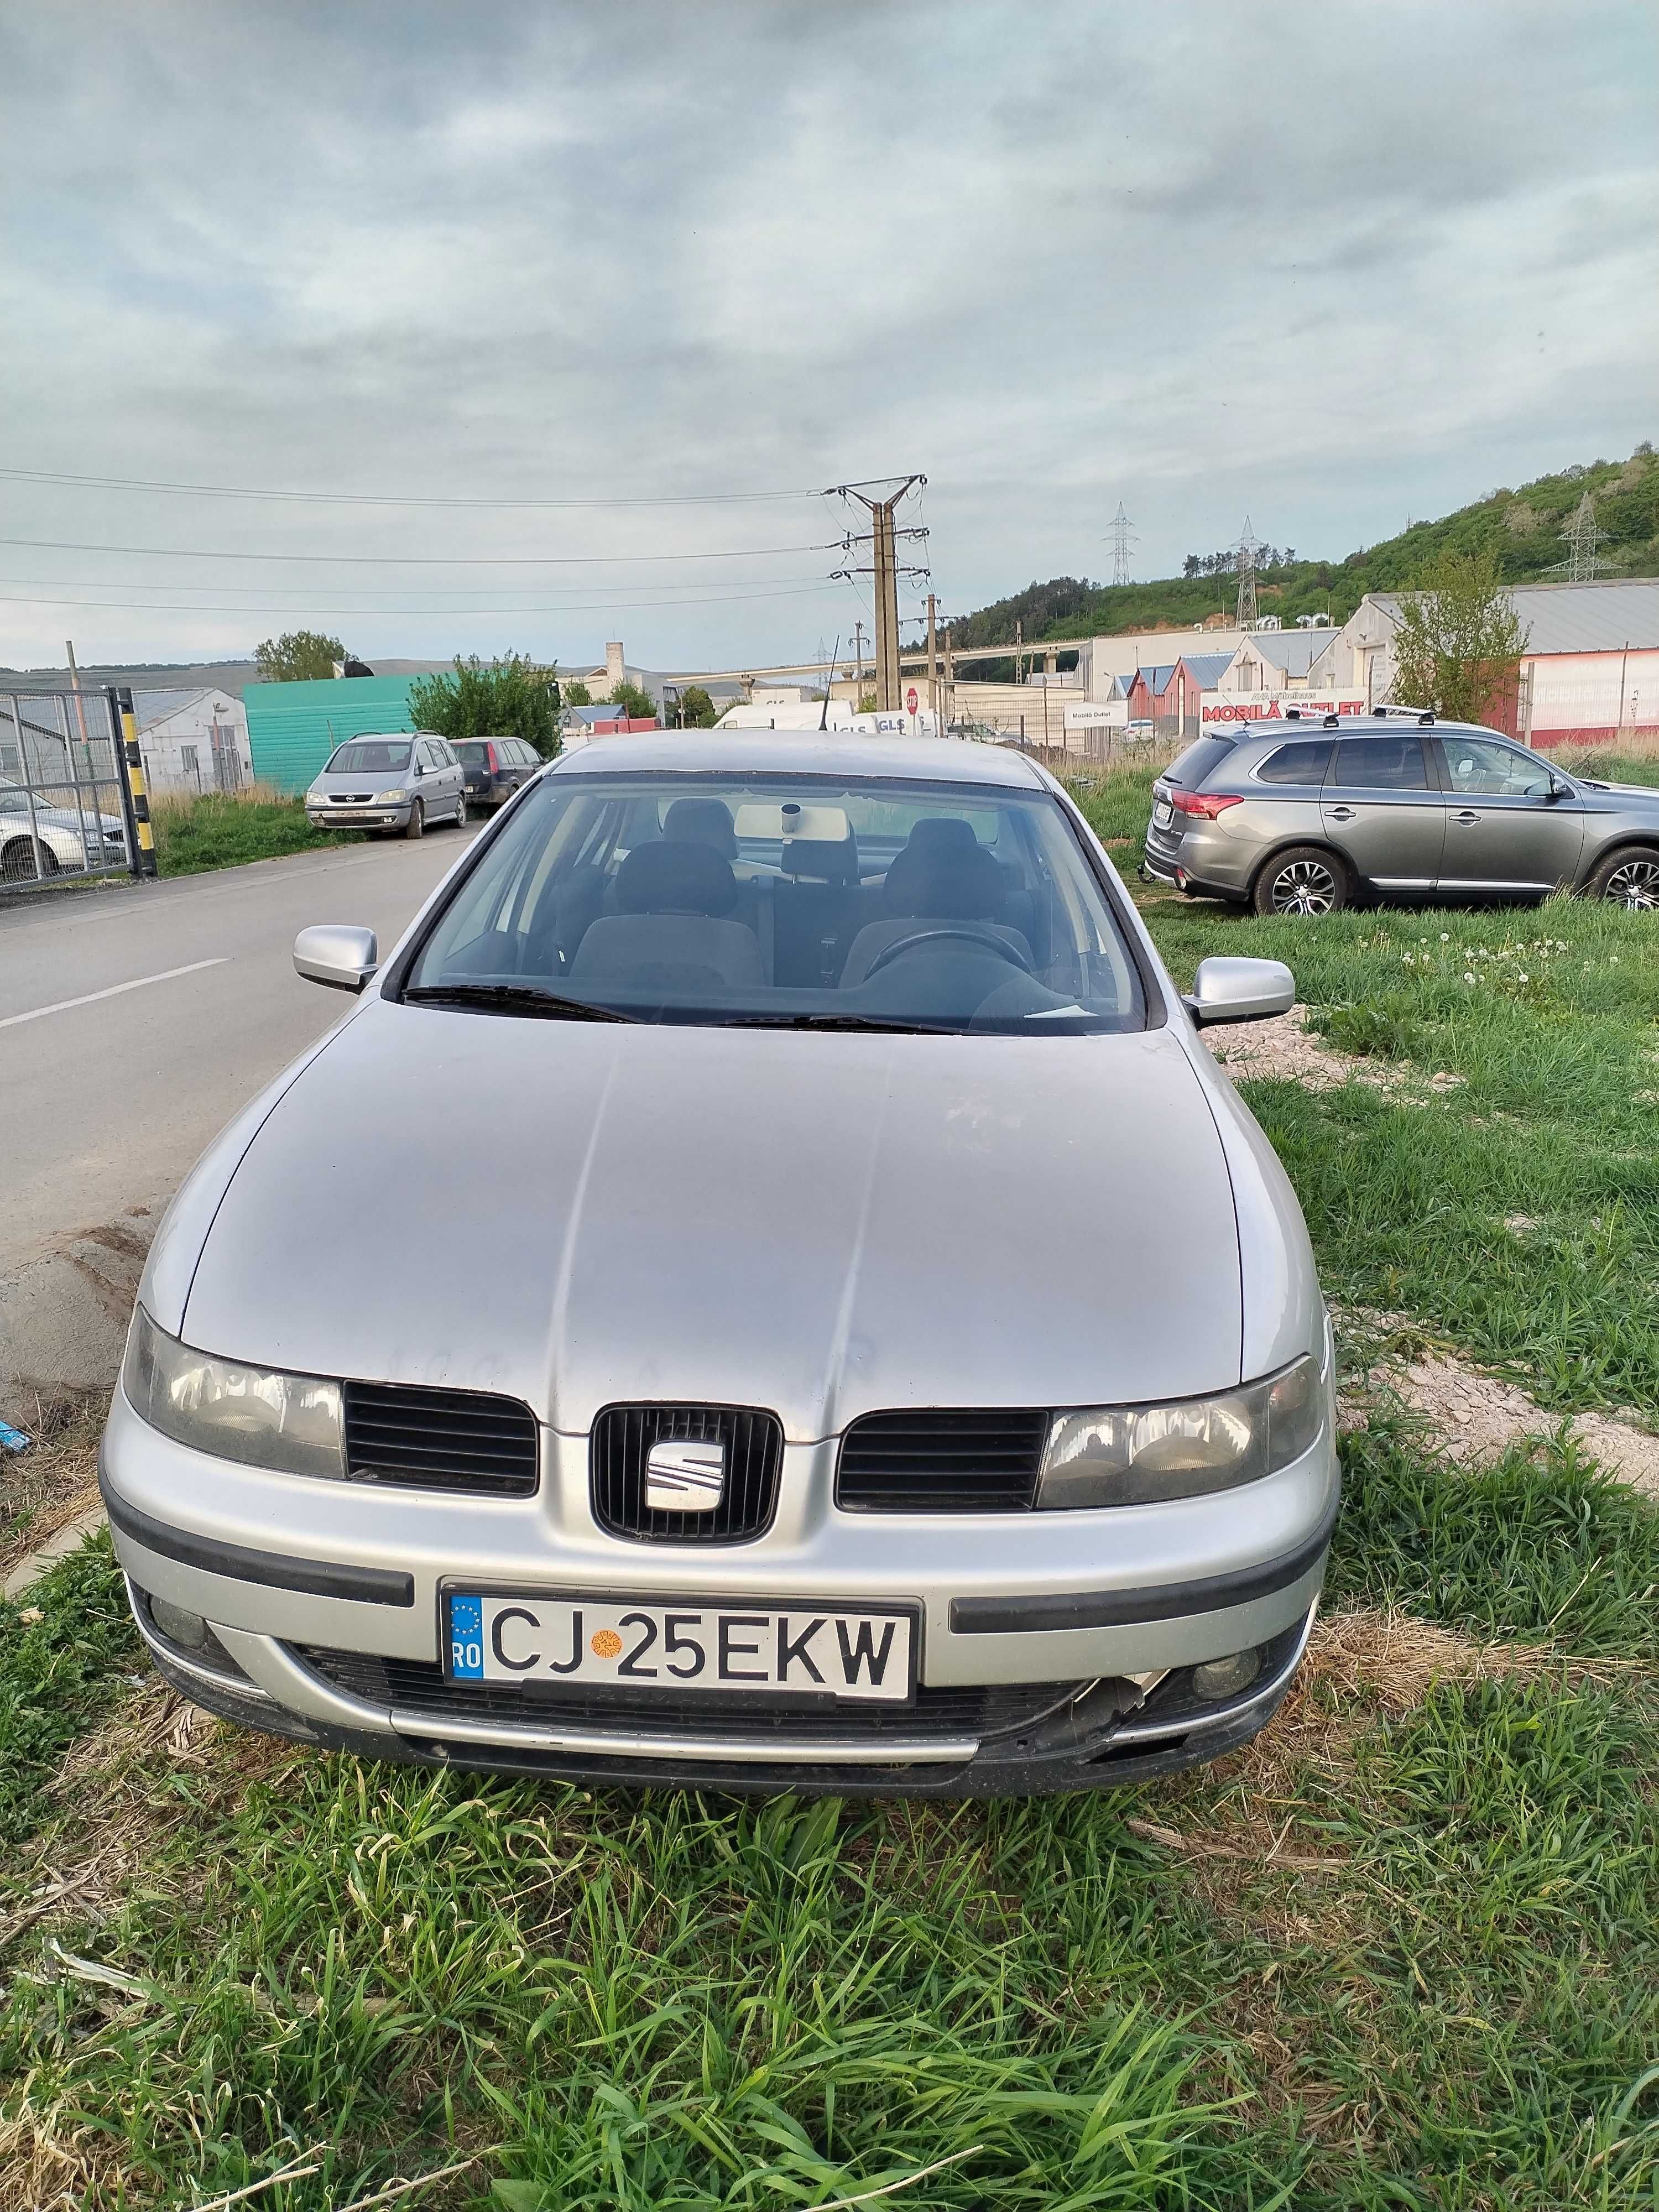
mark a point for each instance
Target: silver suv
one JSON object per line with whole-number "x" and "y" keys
{"x": 1297, "y": 816}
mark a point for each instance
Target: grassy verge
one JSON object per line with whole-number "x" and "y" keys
{"x": 223, "y": 829}
{"x": 1400, "y": 1952}
{"x": 62, "y": 1645}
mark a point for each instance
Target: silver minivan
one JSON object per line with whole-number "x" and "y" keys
{"x": 396, "y": 783}
{"x": 1301, "y": 817}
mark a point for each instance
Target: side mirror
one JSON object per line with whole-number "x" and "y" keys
{"x": 336, "y": 953}
{"x": 1226, "y": 989}
{"x": 1558, "y": 790}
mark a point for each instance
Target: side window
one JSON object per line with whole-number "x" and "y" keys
{"x": 1388, "y": 764}
{"x": 1475, "y": 764}
{"x": 1299, "y": 764}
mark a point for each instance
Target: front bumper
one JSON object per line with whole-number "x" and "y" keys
{"x": 1050, "y": 1616}
{"x": 359, "y": 817}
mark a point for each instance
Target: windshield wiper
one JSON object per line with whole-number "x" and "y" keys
{"x": 893, "y": 1028}
{"x": 512, "y": 999}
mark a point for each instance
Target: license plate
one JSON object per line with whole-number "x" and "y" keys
{"x": 1162, "y": 813}
{"x": 788, "y": 1650}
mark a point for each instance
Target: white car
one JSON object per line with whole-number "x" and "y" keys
{"x": 55, "y": 833}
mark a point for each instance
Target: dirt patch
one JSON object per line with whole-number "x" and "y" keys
{"x": 1477, "y": 1418}
{"x": 1285, "y": 1048}
{"x": 56, "y": 1479}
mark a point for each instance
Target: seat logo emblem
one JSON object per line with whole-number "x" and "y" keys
{"x": 682, "y": 1477}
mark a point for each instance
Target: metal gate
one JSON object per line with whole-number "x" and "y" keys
{"x": 65, "y": 804}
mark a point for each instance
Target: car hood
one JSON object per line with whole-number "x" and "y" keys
{"x": 1643, "y": 794}
{"x": 578, "y": 1214}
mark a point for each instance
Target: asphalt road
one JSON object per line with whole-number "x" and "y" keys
{"x": 104, "y": 1105}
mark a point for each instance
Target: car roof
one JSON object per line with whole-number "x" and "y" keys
{"x": 801, "y": 752}
{"x": 1350, "y": 726}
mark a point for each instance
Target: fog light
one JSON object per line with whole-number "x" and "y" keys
{"x": 1225, "y": 1678}
{"x": 186, "y": 1629}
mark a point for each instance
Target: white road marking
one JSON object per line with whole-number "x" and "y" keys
{"x": 87, "y": 998}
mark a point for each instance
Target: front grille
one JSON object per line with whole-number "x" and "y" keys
{"x": 934, "y": 1461}
{"x": 466, "y": 1440}
{"x": 350, "y": 798}
{"x": 420, "y": 1686}
{"x": 623, "y": 1435}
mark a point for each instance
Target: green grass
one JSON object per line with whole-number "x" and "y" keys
{"x": 222, "y": 831}
{"x": 57, "y": 1673}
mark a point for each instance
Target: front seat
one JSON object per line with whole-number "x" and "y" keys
{"x": 943, "y": 875}
{"x": 671, "y": 929}
{"x": 702, "y": 822}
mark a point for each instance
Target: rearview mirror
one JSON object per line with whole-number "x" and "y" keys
{"x": 1226, "y": 989}
{"x": 336, "y": 953}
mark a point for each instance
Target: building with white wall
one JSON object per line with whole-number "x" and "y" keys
{"x": 192, "y": 741}
{"x": 1589, "y": 674}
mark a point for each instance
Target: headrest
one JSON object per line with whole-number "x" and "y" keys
{"x": 820, "y": 861}
{"x": 702, "y": 822}
{"x": 665, "y": 877}
{"x": 946, "y": 885}
{"x": 937, "y": 834}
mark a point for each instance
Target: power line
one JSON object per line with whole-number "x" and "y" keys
{"x": 422, "y": 560}
{"x": 329, "y": 607}
{"x": 419, "y": 498}
{"x": 437, "y": 603}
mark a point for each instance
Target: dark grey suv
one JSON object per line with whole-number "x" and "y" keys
{"x": 1297, "y": 816}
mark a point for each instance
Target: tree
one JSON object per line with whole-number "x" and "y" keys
{"x": 697, "y": 710}
{"x": 576, "y": 693}
{"x": 1458, "y": 647}
{"x": 512, "y": 697}
{"x": 638, "y": 706}
{"x": 299, "y": 656}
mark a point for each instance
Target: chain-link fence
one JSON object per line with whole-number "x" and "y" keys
{"x": 64, "y": 810}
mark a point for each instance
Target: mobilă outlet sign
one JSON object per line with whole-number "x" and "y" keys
{"x": 1216, "y": 707}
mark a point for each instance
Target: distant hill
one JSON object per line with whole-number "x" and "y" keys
{"x": 232, "y": 676}
{"x": 1523, "y": 526}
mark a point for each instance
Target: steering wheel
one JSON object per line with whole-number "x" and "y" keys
{"x": 982, "y": 938}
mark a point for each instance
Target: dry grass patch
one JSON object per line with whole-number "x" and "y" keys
{"x": 1287, "y": 1049}
{"x": 56, "y": 1479}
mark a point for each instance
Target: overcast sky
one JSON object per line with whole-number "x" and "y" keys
{"x": 1332, "y": 266}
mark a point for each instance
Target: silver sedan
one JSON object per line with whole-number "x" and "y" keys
{"x": 893, "y": 1361}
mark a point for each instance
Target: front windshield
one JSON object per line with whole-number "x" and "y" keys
{"x": 789, "y": 900}
{"x": 370, "y": 756}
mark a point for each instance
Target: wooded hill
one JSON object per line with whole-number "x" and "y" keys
{"x": 1523, "y": 526}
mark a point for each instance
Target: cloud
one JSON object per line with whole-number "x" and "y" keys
{"x": 1329, "y": 265}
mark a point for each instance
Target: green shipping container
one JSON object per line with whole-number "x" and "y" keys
{"x": 293, "y": 728}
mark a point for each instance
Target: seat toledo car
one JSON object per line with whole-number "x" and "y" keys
{"x": 1301, "y": 817}
{"x": 893, "y": 1362}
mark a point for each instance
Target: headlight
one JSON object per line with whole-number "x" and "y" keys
{"x": 390, "y": 798}
{"x": 1144, "y": 1455}
{"x": 290, "y": 1422}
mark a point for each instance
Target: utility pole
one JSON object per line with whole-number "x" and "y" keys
{"x": 883, "y": 535}
{"x": 932, "y": 665}
{"x": 1122, "y": 539}
{"x": 1581, "y": 538}
{"x": 950, "y": 678}
{"x": 1247, "y": 553}
{"x": 1019, "y": 658}
{"x": 75, "y": 686}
